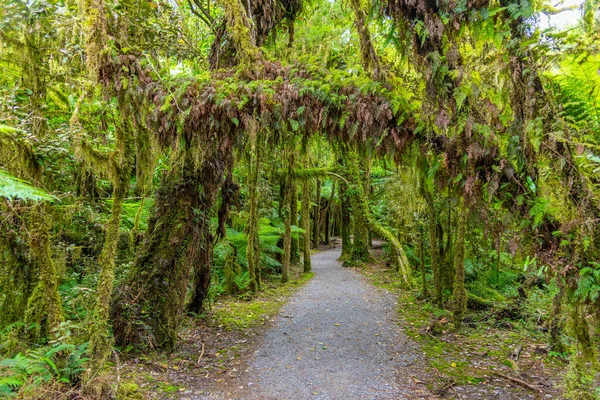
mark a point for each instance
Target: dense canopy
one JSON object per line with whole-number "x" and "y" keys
{"x": 157, "y": 157}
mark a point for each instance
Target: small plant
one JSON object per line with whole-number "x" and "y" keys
{"x": 60, "y": 362}
{"x": 242, "y": 281}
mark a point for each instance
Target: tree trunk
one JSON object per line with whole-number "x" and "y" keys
{"x": 459, "y": 295}
{"x": 253, "y": 249}
{"x": 345, "y": 222}
{"x": 121, "y": 165}
{"x": 433, "y": 246}
{"x": 287, "y": 220}
{"x": 44, "y": 306}
{"x": 306, "y": 224}
{"x": 422, "y": 263}
{"x": 295, "y": 255}
{"x": 149, "y": 306}
{"x": 316, "y": 216}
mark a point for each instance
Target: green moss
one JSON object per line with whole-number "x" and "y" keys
{"x": 130, "y": 391}
{"x": 168, "y": 388}
{"x": 235, "y": 314}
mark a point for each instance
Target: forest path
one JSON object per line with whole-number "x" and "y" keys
{"x": 337, "y": 338}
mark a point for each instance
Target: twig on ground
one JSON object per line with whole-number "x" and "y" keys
{"x": 201, "y": 354}
{"x": 518, "y": 382}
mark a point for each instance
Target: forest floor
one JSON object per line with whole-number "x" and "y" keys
{"x": 347, "y": 333}
{"x": 489, "y": 358}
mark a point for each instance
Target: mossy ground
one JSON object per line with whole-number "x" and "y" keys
{"x": 212, "y": 349}
{"x": 467, "y": 363}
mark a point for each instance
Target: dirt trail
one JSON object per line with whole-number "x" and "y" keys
{"x": 336, "y": 339}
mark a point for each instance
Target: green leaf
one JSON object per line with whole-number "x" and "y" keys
{"x": 12, "y": 187}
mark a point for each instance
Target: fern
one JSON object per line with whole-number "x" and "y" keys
{"x": 588, "y": 288}
{"x": 60, "y": 362}
{"x": 14, "y": 188}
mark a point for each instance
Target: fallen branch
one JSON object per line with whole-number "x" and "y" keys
{"x": 201, "y": 354}
{"x": 518, "y": 382}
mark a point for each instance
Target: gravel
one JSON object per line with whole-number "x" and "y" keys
{"x": 337, "y": 338}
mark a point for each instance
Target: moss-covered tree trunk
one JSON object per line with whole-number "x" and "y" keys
{"x": 287, "y": 221}
{"x": 361, "y": 209}
{"x": 44, "y": 307}
{"x": 305, "y": 209}
{"x": 253, "y": 247}
{"x": 120, "y": 166}
{"x": 295, "y": 255}
{"x": 360, "y": 245}
{"x": 459, "y": 294}
{"x": 345, "y": 222}
{"x": 147, "y": 309}
{"x": 433, "y": 246}
{"x": 422, "y": 263}
{"x": 316, "y": 215}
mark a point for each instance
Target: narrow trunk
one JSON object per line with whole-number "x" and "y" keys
{"x": 345, "y": 222}
{"x": 422, "y": 263}
{"x": 433, "y": 246}
{"x": 497, "y": 264}
{"x": 555, "y": 327}
{"x": 306, "y": 224}
{"x": 253, "y": 249}
{"x": 295, "y": 255}
{"x": 99, "y": 346}
{"x": 98, "y": 322}
{"x": 287, "y": 220}
{"x": 459, "y": 295}
{"x": 44, "y": 307}
{"x": 360, "y": 247}
{"x": 316, "y": 216}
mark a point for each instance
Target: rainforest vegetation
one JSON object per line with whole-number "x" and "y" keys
{"x": 158, "y": 156}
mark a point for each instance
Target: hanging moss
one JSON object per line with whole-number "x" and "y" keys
{"x": 370, "y": 59}
{"x": 119, "y": 163}
{"x": 94, "y": 30}
{"x": 44, "y": 307}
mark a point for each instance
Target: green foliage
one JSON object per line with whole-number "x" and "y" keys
{"x": 588, "y": 288}
{"x": 60, "y": 362}
{"x": 12, "y": 187}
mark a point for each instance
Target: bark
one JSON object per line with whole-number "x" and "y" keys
{"x": 370, "y": 60}
{"x": 287, "y": 219}
{"x": 295, "y": 255}
{"x": 422, "y": 263}
{"x": 316, "y": 216}
{"x": 459, "y": 295}
{"x": 44, "y": 307}
{"x": 433, "y": 246}
{"x": 306, "y": 224}
{"x": 253, "y": 249}
{"x": 99, "y": 347}
{"x": 345, "y": 222}
{"x": 147, "y": 309}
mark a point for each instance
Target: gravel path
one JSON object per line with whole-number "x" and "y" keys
{"x": 335, "y": 339}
